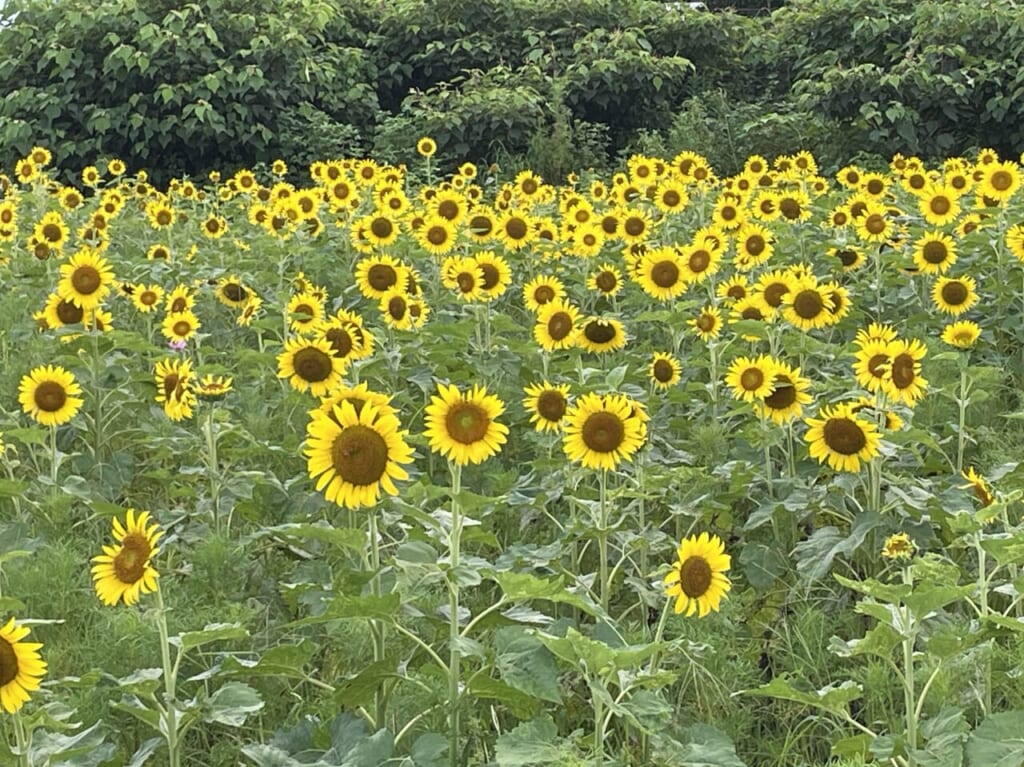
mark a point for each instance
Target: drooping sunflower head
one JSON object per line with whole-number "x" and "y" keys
{"x": 898, "y": 546}
{"x": 979, "y": 485}
{"x": 212, "y": 387}
{"x": 21, "y": 666}
{"x": 124, "y": 571}
{"x": 462, "y": 427}
{"x": 697, "y": 579}
{"x": 842, "y": 438}
{"x": 602, "y": 431}
{"x": 547, "y": 405}
{"x": 50, "y": 395}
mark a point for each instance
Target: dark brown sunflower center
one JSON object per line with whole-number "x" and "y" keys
{"x": 695, "y": 577}
{"x": 437, "y": 235}
{"x": 182, "y": 328}
{"x": 706, "y": 323}
{"x": 736, "y": 292}
{"x": 699, "y": 261}
{"x": 954, "y": 293}
{"x": 551, "y": 405}
{"x": 68, "y": 313}
{"x": 875, "y": 187}
{"x": 340, "y": 341}
{"x": 382, "y": 227}
{"x": 559, "y": 326}
{"x": 840, "y": 218}
{"x": 599, "y": 332}
{"x": 875, "y": 223}
{"x": 491, "y": 275}
{"x": 609, "y": 225}
{"x": 212, "y": 225}
{"x": 529, "y": 186}
{"x": 397, "y": 307}
{"x": 312, "y": 365}
{"x": 755, "y": 245}
{"x": 480, "y": 225}
{"x": 130, "y": 562}
{"x": 808, "y": 304}
{"x": 359, "y": 455}
{"x": 903, "y": 371}
{"x": 665, "y": 274}
{"x": 1001, "y": 180}
{"x": 752, "y": 379}
{"x": 50, "y": 396}
{"x": 844, "y": 436}
{"x": 663, "y": 371}
{"x": 940, "y": 205}
{"x": 545, "y": 294}
{"x": 466, "y": 282}
{"x": 784, "y": 394}
{"x": 381, "y": 276}
{"x": 52, "y": 233}
{"x": 448, "y": 209}
{"x": 516, "y": 228}
{"x": 877, "y": 365}
{"x": 774, "y": 292}
{"x": 606, "y": 282}
{"x": 934, "y": 252}
{"x": 170, "y": 384}
{"x": 634, "y": 227}
{"x": 847, "y": 257}
{"x": 790, "y": 208}
{"x": 603, "y": 432}
{"x": 235, "y": 292}
{"x": 671, "y": 198}
{"x": 752, "y": 313}
{"x": 728, "y": 213}
{"x": 164, "y": 217}
{"x": 467, "y": 423}
{"x": 8, "y": 663}
{"x": 86, "y": 280}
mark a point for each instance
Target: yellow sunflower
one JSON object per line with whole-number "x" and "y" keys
{"x": 736, "y": 288}
{"x": 232, "y": 291}
{"x": 807, "y": 306}
{"x": 773, "y": 286}
{"x": 954, "y": 295}
{"x": 174, "y": 388}
{"x": 376, "y": 275}
{"x": 753, "y": 246}
{"x": 49, "y": 394}
{"x": 542, "y": 290}
{"x": 789, "y": 395}
{"x": 898, "y": 546}
{"x": 547, "y": 405}
{"x": 601, "y": 334}
{"x": 962, "y": 335}
{"x": 305, "y": 312}
{"x": 752, "y": 379}
{"x": 939, "y": 204}
{"x": 660, "y": 274}
{"x": 211, "y": 387}
{"x": 934, "y": 253}
{"x": 697, "y": 579}
{"x": 557, "y": 325}
{"x": 86, "y": 279}
{"x": 665, "y": 370}
{"x": 436, "y": 235}
{"x": 607, "y": 280}
{"x": 310, "y": 365}
{"x": 426, "y": 146}
{"x": 462, "y": 427}
{"x": 707, "y": 324}
{"x": 497, "y": 275}
{"x": 903, "y": 381}
{"x": 979, "y": 485}
{"x": 842, "y": 438}
{"x": 1000, "y": 181}
{"x": 871, "y": 364}
{"x": 124, "y": 571}
{"x": 60, "y": 312}
{"x": 180, "y": 326}
{"x": 21, "y": 666}
{"x": 353, "y": 456}
{"x": 52, "y": 230}
{"x": 147, "y": 298}
{"x": 601, "y": 431}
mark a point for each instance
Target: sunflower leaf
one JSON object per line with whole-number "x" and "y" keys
{"x": 214, "y": 632}
{"x": 997, "y": 741}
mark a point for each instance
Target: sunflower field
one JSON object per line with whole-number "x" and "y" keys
{"x": 390, "y": 466}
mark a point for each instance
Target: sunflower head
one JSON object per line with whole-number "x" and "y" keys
{"x": 462, "y": 427}
{"x": 124, "y": 571}
{"x": 898, "y": 546}
{"x": 21, "y": 666}
{"x": 697, "y": 579}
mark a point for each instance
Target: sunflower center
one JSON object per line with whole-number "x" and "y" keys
{"x": 603, "y": 432}
{"x": 163, "y": 217}
{"x": 847, "y": 257}
{"x": 397, "y": 307}
{"x": 437, "y": 235}
{"x": 773, "y": 294}
{"x": 875, "y": 187}
{"x": 665, "y": 274}
{"x": 706, "y": 323}
{"x": 755, "y": 244}
{"x": 516, "y": 228}
{"x": 783, "y": 396}
{"x": 844, "y": 435}
{"x": 50, "y": 396}
{"x": 695, "y": 577}
{"x": 86, "y": 280}
{"x": 671, "y": 198}
{"x": 599, "y": 332}
{"x": 130, "y": 562}
{"x": 480, "y": 225}
{"x": 491, "y": 275}
{"x": 466, "y": 282}
{"x": 545, "y": 293}
{"x": 940, "y": 205}
{"x": 312, "y": 365}
{"x": 448, "y": 209}
{"x": 736, "y": 292}
{"x": 182, "y": 328}
{"x": 1001, "y": 180}
{"x": 359, "y": 455}
{"x": 728, "y": 213}
{"x": 902, "y": 371}
{"x": 663, "y": 371}
{"x": 934, "y": 252}
{"x": 381, "y": 227}
{"x": 808, "y": 304}
{"x": 789, "y": 208}
{"x": 559, "y": 326}
{"x": 551, "y": 405}
{"x": 529, "y": 186}
{"x": 751, "y": 313}
{"x": 634, "y": 227}
{"x": 235, "y": 292}
{"x": 954, "y": 293}
{"x": 381, "y": 276}
{"x": 699, "y": 261}
{"x": 52, "y": 233}
{"x": 875, "y": 223}
{"x": 68, "y": 313}
{"x": 752, "y": 379}
{"x": 606, "y": 282}
{"x": 8, "y": 663}
{"x": 467, "y": 423}
{"x": 171, "y": 381}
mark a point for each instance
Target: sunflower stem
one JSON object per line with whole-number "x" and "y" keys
{"x": 909, "y": 693}
{"x": 377, "y": 628}
{"x": 961, "y": 436}
{"x": 983, "y": 613}
{"x": 602, "y": 536}
{"x": 210, "y": 435}
{"x": 598, "y": 732}
{"x": 170, "y": 681}
{"x": 54, "y": 459}
{"x": 21, "y": 741}
{"x": 454, "y": 656}
{"x": 97, "y": 424}
{"x": 767, "y": 453}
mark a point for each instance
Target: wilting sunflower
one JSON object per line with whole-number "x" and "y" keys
{"x": 86, "y": 279}
{"x": 557, "y": 325}
{"x": 21, "y": 667}
{"x": 542, "y": 290}
{"x": 962, "y": 335}
{"x": 607, "y": 280}
{"x": 353, "y": 456}
{"x": 807, "y": 306}
{"x": 697, "y": 579}
{"x": 977, "y": 483}
{"x": 934, "y": 253}
{"x": 898, "y": 546}
{"x": 752, "y": 379}
{"x": 903, "y": 381}
{"x": 789, "y": 395}
{"x": 147, "y": 297}
{"x": 180, "y": 326}
{"x": 124, "y": 571}
{"x": 547, "y": 404}
{"x": 842, "y": 438}
{"x": 664, "y": 371}
{"x": 601, "y": 334}
{"x": 708, "y": 324}
{"x": 462, "y": 427}
{"x": 601, "y": 431}
{"x": 49, "y": 394}
{"x": 310, "y": 365}
{"x": 954, "y": 295}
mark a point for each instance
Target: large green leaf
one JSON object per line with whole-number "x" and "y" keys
{"x": 834, "y": 698}
{"x": 232, "y": 704}
{"x": 213, "y": 632}
{"x": 701, "y": 745}
{"x": 524, "y": 587}
{"x": 998, "y": 741}
{"x": 531, "y": 743}
{"x": 525, "y": 664}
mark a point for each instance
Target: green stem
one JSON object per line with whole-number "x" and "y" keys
{"x": 377, "y": 627}
{"x": 767, "y": 452}
{"x": 961, "y": 440}
{"x": 97, "y": 424}
{"x": 454, "y": 656}
{"x": 602, "y": 537}
{"x": 170, "y": 681}
{"x": 983, "y": 612}
{"x": 21, "y": 740}
{"x": 212, "y": 468}
{"x": 909, "y": 693}
{"x": 54, "y": 462}
{"x": 598, "y": 732}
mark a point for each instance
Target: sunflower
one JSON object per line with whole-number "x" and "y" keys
{"x": 751, "y": 308}
{"x": 601, "y": 431}
{"x": 660, "y": 274}
{"x": 598, "y": 334}
{"x": 497, "y": 275}
{"x": 211, "y": 387}
{"x": 939, "y": 204}
{"x": 481, "y": 224}
{"x": 872, "y": 363}
{"x": 607, "y": 280}
{"x": 664, "y": 371}
{"x": 902, "y": 381}
{"x": 670, "y": 196}
{"x": 586, "y": 241}
{"x": 635, "y": 227}
{"x": 49, "y": 394}
{"x": 557, "y": 325}
{"x": 396, "y": 309}
{"x": 978, "y": 484}
{"x": 305, "y": 312}
{"x": 462, "y": 427}
{"x": 842, "y": 438}
{"x": 1015, "y": 241}
{"x": 21, "y": 667}
{"x": 542, "y": 290}
{"x": 436, "y": 235}
{"x": 147, "y": 298}
{"x": 357, "y": 397}
{"x": 85, "y": 279}
{"x": 699, "y": 260}
{"x": 808, "y": 305}
{"x": 353, "y": 456}
{"x": 180, "y": 326}
{"x": 728, "y": 215}
{"x": 886, "y": 418}
{"x": 898, "y": 546}
{"x": 232, "y": 291}
{"x": 962, "y": 335}
{"x": 124, "y": 571}
{"x": 426, "y": 147}
{"x": 515, "y": 230}
{"x": 752, "y": 378}
{"x": 874, "y": 224}
{"x": 174, "y": 388}
{"x": 52, "y": 230}
{"x": 697, "y": 579}
{"x": 707, "y": 324}
{"x": 954, "y": 295}
{"x": 736, "y": 288}
{"x": 773, "y": 286}
{"x": 547, "y": 404}
{"x": 849, "y": 257}
{"x": 934, "y": 253}
{"x": 59, "y": 312}
{"x": 1000, "y": 181}
{"x": 310, "y": 365}
{"x": 789, "y": 395}
{"x": 753, "y": 246}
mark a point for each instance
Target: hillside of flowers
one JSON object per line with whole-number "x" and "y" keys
{"x": 360, "y": 464}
